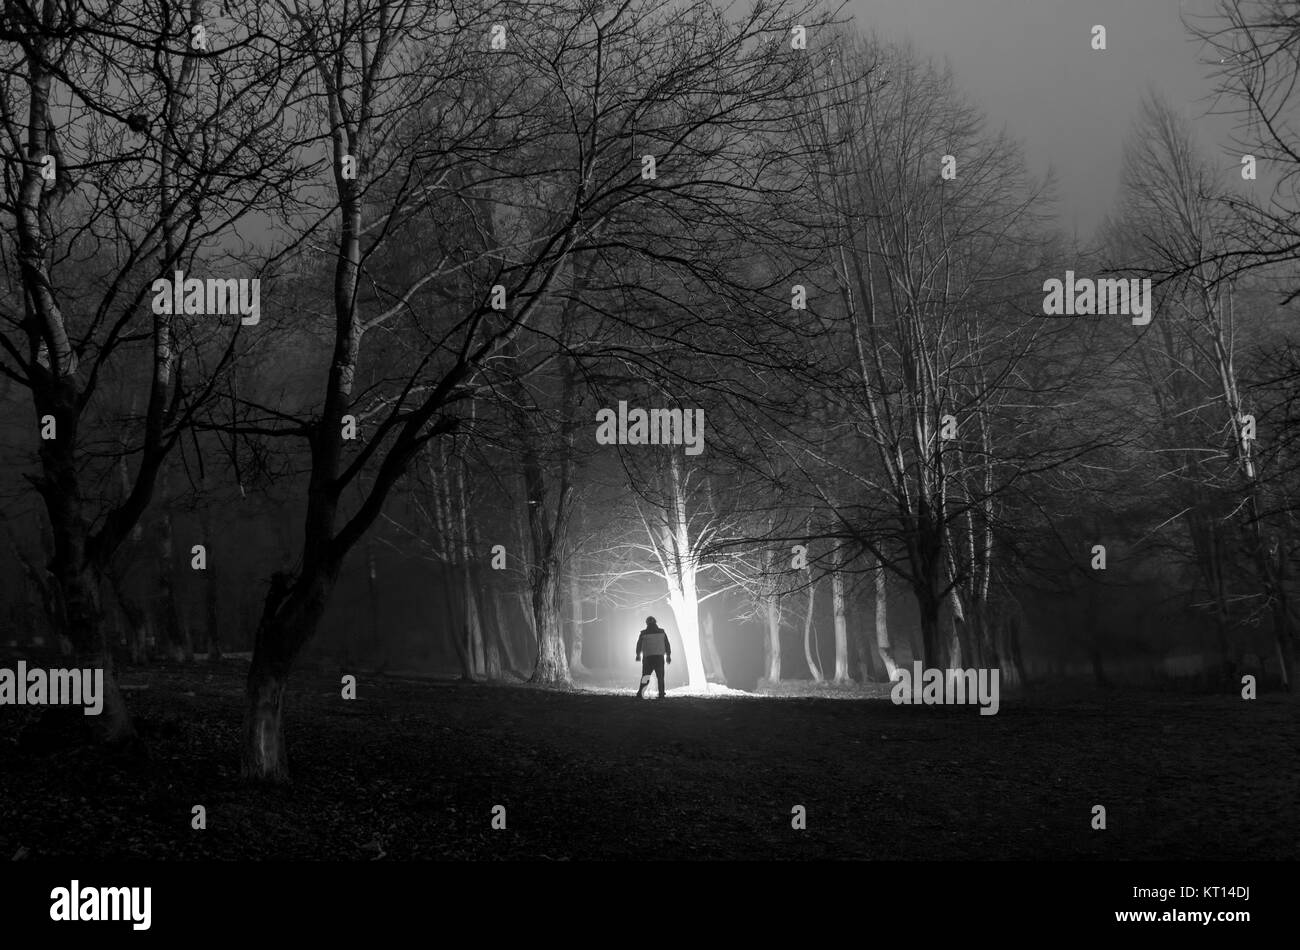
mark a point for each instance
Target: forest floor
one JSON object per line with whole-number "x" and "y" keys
{"x": 413, "y": 768}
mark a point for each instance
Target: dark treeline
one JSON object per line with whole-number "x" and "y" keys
{"x": 486, "y": 237}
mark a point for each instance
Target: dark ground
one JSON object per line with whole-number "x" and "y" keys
{"x": 411, "y": 769}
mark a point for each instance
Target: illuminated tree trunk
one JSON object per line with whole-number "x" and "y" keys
{"x": 773, "y": 604}
{"x": 494, "y": 654}
{"x": 552, "y": 664}
{"x": 683, "y": 597}
{"x": 954, "y": 622}
{"x": 870, "y": 666}
{"x": 476, "y": 592}
{"x": 505, "y": 636}
{"x": 575, "y": 638}
{"x": 712, "y": 659}
{"x": 528, "y": 633}
{"x": 482, "y": 635}
{"x": 545, "y": 576}
{"x": 686, "y": 611}
{"x": 548, "y": 528}
{"x": 883, "y": 646}
{"x": 458, "y": 479}
{"x": 814, "y": 667}
{"x": 841, "y": 628}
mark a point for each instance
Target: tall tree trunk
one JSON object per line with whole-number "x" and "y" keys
{"x": 767, "y": 650}
{"x": 528, "y": 633}
{"x": 504, "y": 636}
{"x": 492, "y": 642}
{"x": 81, "y": 557}
{"x": 212, "y": 613}
{"x": 814, "y": 668}
{"x": 576, "y": 666}
{"x": 683, "y": 596}
{"x": 290, "y": 616}
{"x": 712, "y": 658}
{"x": 979, "y": 620}
{"x": 884, "y": 648}
{"x": 684, "y": 601}
{"x": 1207, "y": 549}
{"x": 211, "y": 597}
{"x": 473, "y": 626}
{"x": 452, "y": 594}
{"x": 82, "y": 618}
{"x": 772, "y": 602}
{"x": 1011, "y": 648}
{"x": 865, "y": 657}
{"x": 264, "y": 755}
{"x": 1286, "y": 640}
{"x": 686, "y": 611}
{"x": 841, "y": 628}
{"x": 458, "y": 483}
{"x": 932, "y": 641}
{"x": 545, "y": 575}
{"x": 548, "y": 529}
{"x": 74, "y": 572}
{"x": 175, "y": 630}
{"x": 954, "y": 628}
{"x": 490, "y": 630}
{"x": 78, "y": 559}
{"x": 552, "y": 664}
{"x": 997, "y": 624}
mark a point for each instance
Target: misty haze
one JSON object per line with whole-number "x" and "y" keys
{"x": 863, "y": 432}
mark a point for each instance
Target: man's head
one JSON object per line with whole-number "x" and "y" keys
{"x": 650, "y": 623}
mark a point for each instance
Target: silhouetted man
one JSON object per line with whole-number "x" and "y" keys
{"x": 653, "y": 642}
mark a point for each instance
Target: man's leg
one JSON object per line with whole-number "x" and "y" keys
{"x": 659, "y": 671}
{"x": 646, "y": 667}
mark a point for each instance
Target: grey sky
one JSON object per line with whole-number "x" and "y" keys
{"x": 1029, "y": 65}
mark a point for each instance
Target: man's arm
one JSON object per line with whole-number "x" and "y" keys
{"x": 638, "y": 644}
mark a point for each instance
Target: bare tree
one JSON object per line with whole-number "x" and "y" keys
{"x": 133, "y": 150}
{"x": 920, "y": 210}
{"x": 510, "y": 162}
{"x": 1177, "y": 226}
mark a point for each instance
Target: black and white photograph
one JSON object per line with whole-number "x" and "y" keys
{"x": 843, "y": 453}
